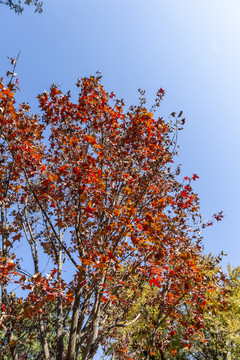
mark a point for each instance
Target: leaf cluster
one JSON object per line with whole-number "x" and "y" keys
{"x": 18, "y": 5}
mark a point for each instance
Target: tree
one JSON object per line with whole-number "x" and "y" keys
{"x": 216, "y": 338}
{"x": 180, "y": 331}
{"x": 18, "y": 5}
{"x": 94, "y": 190}
{"x": 221, "y": 323}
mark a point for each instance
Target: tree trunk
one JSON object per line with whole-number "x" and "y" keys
{"x": 44, "y": 338}
{"x": 59, "y": 354}
{"x": 71, "y": 353}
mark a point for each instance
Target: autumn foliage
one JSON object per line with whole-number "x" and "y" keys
{"x": 91, "y": 190}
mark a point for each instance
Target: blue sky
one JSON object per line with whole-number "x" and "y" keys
{"x": 190, "y": 48}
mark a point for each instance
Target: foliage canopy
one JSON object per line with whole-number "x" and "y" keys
{"x": 92, "y": 189}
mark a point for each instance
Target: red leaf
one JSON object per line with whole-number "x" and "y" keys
{"x": 16, "y": 237}
{"x": 195, "y": 177}
{"x": 172, "y": 333}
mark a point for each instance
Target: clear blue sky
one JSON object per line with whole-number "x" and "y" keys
{"x": 190, "y": 48}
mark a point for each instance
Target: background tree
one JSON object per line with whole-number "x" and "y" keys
{"x": 217, "y": 336}
{"x": 221, "y": 323}
{"x": 179, "y": 330}
{"x": 101, "y": 200}
{"x": 18, "y": 5}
